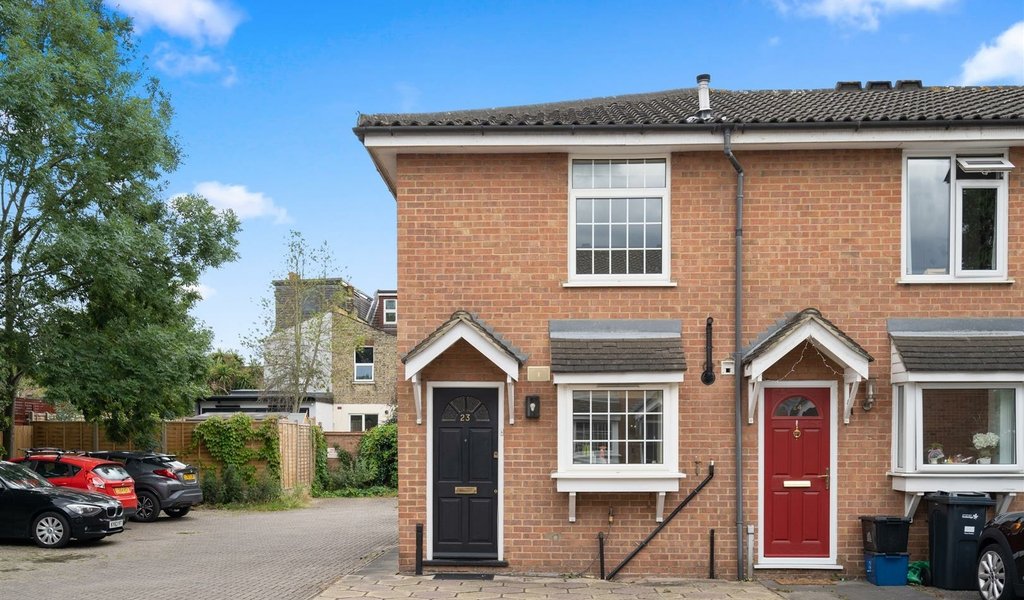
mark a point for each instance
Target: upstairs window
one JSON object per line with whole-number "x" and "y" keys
{"x": 364, "y": 363}
{"x": 618, "y": 213}
{"x": 955, "y": 217}
{"x": 390, "y": 311}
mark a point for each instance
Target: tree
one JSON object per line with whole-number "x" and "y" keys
{"x": 295, "y": 341}
{"x": 97, "y": 272}
{"x": 228, "y": 371}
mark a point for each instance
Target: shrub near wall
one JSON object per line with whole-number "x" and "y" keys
{"x": 379, "y": 448}
{"x": 239, "y": 449}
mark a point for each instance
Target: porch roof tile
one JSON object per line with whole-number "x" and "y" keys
{"x": 616, "y": 346}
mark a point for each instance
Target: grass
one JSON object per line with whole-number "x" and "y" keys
{"x": 285, "y": 502}
{"x": 370, "y": 492}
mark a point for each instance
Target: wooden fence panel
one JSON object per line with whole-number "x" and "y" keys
{"x": 22, "y": 438}
{"x": 296, "y": 441}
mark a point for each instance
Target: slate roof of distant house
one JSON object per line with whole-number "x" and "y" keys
{"x": 905, "y": 104}
{"x": 959, "y": 344}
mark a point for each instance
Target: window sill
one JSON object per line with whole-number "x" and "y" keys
{"x": 960, "y": 481}
{"x": 954, "y": 280}
{"x": 363, "y": 382}
{"x": 619, "y": 283}
{"x": 617, "y": 481}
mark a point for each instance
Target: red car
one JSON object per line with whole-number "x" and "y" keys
{"x": 84, "y": 473}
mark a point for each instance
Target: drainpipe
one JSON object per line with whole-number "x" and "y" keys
{"x": 738, "y": 320}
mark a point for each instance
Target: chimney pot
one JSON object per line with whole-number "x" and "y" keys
{"x": 909, "y": 84}
{"x": 847, "y": 86}
{"x": 879, "y": 85}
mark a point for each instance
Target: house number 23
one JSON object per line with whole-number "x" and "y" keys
{"x": 464, "y": 417}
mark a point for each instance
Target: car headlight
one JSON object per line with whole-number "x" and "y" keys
{"x": 85, "y": 510}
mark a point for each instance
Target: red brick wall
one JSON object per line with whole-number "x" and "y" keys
{"x": 822, "y": 229}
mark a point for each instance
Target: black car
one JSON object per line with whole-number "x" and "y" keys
{"x": 1001, "y": 558}
{"x": 161, "y": 483}
{"x": 32, "y": 507}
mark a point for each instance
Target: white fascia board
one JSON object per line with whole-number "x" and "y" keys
{"x": 463, "y": 331}
{"x": 963, "y": 377}
{"x": 618, "y": 481}
{"x": 617, "y": 378}
{"x": 822, "y": 338}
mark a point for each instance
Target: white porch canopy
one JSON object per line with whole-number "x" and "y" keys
{"x": 464, "y": 326}
{"x": 806, "y": 326}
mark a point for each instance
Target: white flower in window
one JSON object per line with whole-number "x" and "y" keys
{"x": 985, "y": 443}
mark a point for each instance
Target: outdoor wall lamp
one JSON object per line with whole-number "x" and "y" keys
{"x": 533, "y": 407}
{"x": 869, "y": 395}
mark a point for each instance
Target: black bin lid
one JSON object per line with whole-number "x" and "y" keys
{"x": 961, "y": 498}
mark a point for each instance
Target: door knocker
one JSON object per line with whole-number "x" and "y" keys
{"x": 796, "y": 430}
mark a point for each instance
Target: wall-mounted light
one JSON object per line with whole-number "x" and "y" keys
{"x": 869, "y": 395}
{"x": 533, "y": 407}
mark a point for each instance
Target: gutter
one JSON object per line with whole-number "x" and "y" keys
{"x": 738, "y": 325}
{"x": 361, "y": 130}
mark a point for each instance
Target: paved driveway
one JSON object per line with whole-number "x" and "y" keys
{"x": 210, "y": 554}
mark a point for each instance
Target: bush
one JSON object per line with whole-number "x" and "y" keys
{"x": 264, "y": 489}
{"x": 379, "y": 448}
{"x": 213, "y": 488}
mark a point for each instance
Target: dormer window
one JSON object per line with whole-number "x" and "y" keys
{"x": 390, "y": 311}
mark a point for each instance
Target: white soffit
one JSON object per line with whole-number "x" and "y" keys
{"x": 827, "y": 342}
{"x": 463, "y": 331}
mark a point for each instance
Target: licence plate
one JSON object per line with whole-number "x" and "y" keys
{"x": 189, "y": 476}
{"x": 122, "y": 490}
{"x": 116, "y": 524}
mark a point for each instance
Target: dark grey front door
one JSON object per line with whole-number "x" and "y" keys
{"x": 466, "y": 473}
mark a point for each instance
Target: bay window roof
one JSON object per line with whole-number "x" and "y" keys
{"x": 958, "y": 345}
{"x": 616, "y": 346}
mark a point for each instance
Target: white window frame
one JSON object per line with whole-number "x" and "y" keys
{"x": 620, "y": 477}
{"x": 624, "y": 280}
{"x": 356, "y": 365}
{"x": 362, "y": 420}
{"x": 956, "y": 274}
{"x": 390, "y": 314}
{"x": 915, "y": 459}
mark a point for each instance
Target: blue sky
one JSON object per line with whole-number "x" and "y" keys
{"x": 266, "y": 92}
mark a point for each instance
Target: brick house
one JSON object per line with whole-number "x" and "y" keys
{"x": 577, "y": 351}
{"x": 351, "y": 338}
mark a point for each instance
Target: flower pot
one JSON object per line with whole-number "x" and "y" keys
{"x": 984, "y": 460}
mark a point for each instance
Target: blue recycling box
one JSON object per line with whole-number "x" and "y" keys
{"x": 886, "y": 569}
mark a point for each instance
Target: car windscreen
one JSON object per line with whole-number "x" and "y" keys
{"x": 20, "y": 478}
{"x": 111, "y": 472}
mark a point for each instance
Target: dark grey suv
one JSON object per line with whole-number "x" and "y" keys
{"x": 161, "y": 483}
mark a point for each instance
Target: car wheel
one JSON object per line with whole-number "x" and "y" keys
{"x": 177, "y": 513}
{"x": 993, "y": 583}
{"x": 51, "y": 530}
{"x": 148, "y": 509}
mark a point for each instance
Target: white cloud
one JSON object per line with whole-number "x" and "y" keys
{"x": 1002, "y": 61}
{"x": 181, "y": 64}
{"x": 245, "y": 204}
{"x": 202, "y": 21}
{"x": 862, "y": 14}
{"x": 204, "y": 291}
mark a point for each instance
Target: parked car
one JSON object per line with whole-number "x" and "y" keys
{"x": 161, "y": 483}
{"x": 85, "y": 473}
{"x": 1001, "y": 558}
{"x": 32, "y": 507}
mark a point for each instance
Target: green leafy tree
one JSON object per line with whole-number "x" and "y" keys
{"x": 229, "y": 371}
{"x": 97, "y": 271}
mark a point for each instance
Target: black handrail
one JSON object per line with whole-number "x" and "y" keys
{"x": 668, "y": 519}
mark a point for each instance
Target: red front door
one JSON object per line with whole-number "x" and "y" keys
{"x": 796, "y": 468}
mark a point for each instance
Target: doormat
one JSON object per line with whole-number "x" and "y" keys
{"x": 466, "y": 576}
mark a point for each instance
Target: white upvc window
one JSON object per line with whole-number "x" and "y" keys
{"x": 390, "y": 311}
{"x": 619, "y": 221}
{"x": 362, "y": 422}
{"x": 611, "y": 431}
{"x": 958, "y": 424}
{"x": 955, "y": 217}
{"x": 363, "y": 360}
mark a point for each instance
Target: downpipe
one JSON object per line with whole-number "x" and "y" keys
{"x": 663, "y": 524}
{"x": 738, "y": 324}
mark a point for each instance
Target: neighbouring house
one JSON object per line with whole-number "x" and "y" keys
{"x": 349, "y": 348}
{"x": 817, "y": 291}
{"x": 317, "y": 406}
{"x": 27, "y": 410}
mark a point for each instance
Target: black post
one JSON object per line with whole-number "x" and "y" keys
{"x": 711, "y": 557}
{"x": 600, "y": 551}
{"x": 419, "y": 548}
